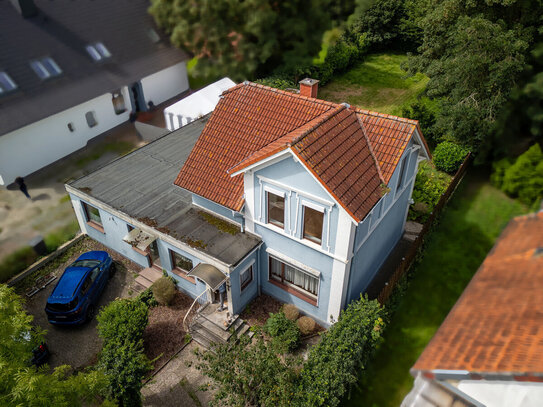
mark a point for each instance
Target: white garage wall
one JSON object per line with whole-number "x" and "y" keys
{"x": 32, "y": 147}
{"x": 165, "y": 84}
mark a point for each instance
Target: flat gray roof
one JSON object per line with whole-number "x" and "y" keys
{"x": 140, "y": 185}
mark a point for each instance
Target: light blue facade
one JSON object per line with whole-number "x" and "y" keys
{"x": 344, "y": 263}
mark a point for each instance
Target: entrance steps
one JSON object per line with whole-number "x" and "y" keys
{"x": 148, "y": 276}
{"x": 212, "y": 326}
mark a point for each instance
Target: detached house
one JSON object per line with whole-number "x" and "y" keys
{"x": 273, "y": 192}
{"x": 71, "y": 70}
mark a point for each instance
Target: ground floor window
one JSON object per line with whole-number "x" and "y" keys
{"x": 245, "y": 277}
{"x": 294, "y": 278}
{"x": 181, "y": 266}
{"x": 92, "y": 214}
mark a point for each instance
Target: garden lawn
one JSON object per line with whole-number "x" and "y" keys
{"x": 468, "y": 228}
{"x": 377, "y": 83}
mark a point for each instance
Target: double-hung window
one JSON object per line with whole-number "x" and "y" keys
{"x": 276, "y": 209}
{"x": 313, "y": 221}
{"x": 294, "y": 278}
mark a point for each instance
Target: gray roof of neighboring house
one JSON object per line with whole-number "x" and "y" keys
{"x": 61, "y": 30}
{"x": 140, "y": 185}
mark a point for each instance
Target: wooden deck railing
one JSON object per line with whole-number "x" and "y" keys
{"x": 407, "y": 261}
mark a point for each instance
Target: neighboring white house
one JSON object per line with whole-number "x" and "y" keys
{"x": 196, "y": 105}
{"x": 70, "y": 71}
{"x": 489, "y": 350}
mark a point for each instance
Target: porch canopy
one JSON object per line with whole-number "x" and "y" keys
{"x": 139, "y": 239}
{"x": 209, "y": 274}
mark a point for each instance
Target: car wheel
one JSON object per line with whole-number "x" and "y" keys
{"x": 90, "y": 313}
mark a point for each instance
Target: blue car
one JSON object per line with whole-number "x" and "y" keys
{"x": 74, "y": 299}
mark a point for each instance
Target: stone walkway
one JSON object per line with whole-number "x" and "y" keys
{"x": 177, "y": 384}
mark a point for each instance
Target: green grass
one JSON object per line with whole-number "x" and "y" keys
{"x": 467, "y": 230}
{"x": 377, "y": 83}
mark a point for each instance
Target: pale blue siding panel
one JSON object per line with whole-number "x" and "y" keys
{"x": 186, "y": 286}
{"x": 115, "y": 229}
{"x": 240, "y": 299}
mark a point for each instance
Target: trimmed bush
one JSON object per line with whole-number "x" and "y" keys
{"x": 291, "y": 312}
{"x": 306, "y": 325}
{"x": 284, "y": 332}
{"x": 164, "y": 290}
{"x": 524, "y": 178}
{"x": 121, "y": 325}
{"x": 147, "y": 297}
{"x": 449, "y": 156}
{"x": 333, "y": 365}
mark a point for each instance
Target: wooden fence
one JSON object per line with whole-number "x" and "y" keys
{"x": 407, "y": 261}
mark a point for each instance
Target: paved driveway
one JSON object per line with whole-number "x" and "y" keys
{"x": 79, "y": 346}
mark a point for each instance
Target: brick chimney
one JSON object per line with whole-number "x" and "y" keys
{"x": 26, "y": 8}
{"x": 309, "y": 87}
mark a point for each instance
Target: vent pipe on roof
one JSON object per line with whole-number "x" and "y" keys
{"x": 26, "y": 8}
{"x": 309, "y": 87}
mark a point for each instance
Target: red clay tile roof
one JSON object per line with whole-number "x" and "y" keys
{"x": 497, "y": 324}
{"x": 388, "y": 136}
{"x": 252, "y": 122}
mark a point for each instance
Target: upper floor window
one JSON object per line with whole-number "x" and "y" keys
{"x": 6, "y": 83}
{"x": 276, "y": 209}
{"x": 98, "y": 51}
{"x": 313, "y": 221}
{"x": 45, "y": 68}
{"x": 92, "y": 214}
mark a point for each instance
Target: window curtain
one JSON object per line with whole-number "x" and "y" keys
{"x": 301, "y": 279}
{"x": 275, "y": 268}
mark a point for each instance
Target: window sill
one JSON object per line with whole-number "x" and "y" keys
{"x": 96, "y": 226}
{"x": 183, "y": 274}
{"x": 139, "y": 251}
{"x": 294, "y": 292}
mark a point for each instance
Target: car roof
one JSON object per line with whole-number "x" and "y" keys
{"x": 68, "y": 283}
{"x": 94, "y": 255}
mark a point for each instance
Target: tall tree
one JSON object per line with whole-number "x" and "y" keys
{"x": 23, "y": 385}
{"x": 474, "y": 53}
{"x": 241, "y": 38}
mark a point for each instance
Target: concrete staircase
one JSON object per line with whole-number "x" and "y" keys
{"x": 211, "y": 326}
{"x": 148, "y": 276}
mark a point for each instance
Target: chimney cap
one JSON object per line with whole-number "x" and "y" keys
{"x": 309, "y": 82}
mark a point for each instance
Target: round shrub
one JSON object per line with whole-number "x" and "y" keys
{"x": 163, "y": 290}
{"x": 306, "y": 325}
{"x": 291, "y": 312}
{"x": 449, "y": 156}
{"x": 284, "y": 332}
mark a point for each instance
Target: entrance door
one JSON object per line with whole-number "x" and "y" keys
{"x": 153, "y": 255}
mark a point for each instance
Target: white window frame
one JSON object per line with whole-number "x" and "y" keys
{"x": 293, "y": 286}
{"x": 316, "y": 207}
{"x": 264, "y": 204}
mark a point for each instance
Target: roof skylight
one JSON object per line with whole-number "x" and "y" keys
{"x": 6, "y": 83}
{"x": 45, "y": 68}
{"x": 98, "y": 51}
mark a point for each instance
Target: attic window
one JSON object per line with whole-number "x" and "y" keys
{"x": 98, "y": 51}
{"x": 6, "y": 83}
{"x": 45, "y": 68}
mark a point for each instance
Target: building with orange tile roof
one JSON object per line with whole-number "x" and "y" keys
{"x": 277, "y": 192}
{"x": 489, "y": 349}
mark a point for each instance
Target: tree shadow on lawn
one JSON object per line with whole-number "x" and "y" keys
{"x": 453, "y": 252}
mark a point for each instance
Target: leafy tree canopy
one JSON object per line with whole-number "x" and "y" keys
{"x": 241, "y": 38}
{"x": 474, "y": 53}
{"x": 22, "y": 384}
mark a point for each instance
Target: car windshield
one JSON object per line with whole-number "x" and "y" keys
{"x": 85, "y": 263}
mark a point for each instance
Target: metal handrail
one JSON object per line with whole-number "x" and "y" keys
{"x": 190, "y": 309}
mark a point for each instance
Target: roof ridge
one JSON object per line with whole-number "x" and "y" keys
{"x": 318, "y": 121}
{"x": 280, "y": 91}
{"x": 386, "y": 116}
{"x": 370, "y": 147}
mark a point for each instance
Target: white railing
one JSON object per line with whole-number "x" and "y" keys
{"x": 196, "y": 300}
